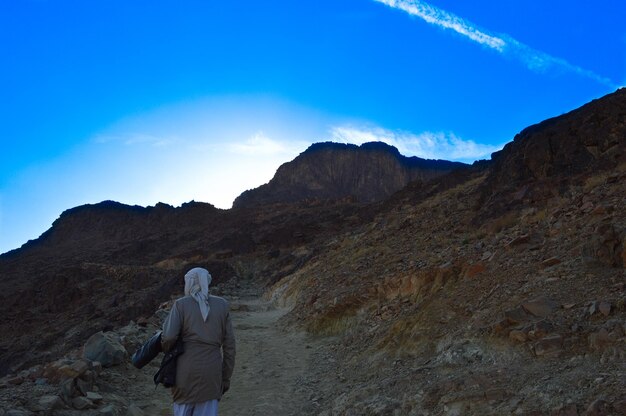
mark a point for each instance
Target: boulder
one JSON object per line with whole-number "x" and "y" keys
{"x": 605, "y": 246}
{"x": 134, "y": 410}
{"x": 541, "y": 307}
{"x": 68, "y": 390}
{"x": 549, "y": 346}
{"x": 81, "y": 403}
{"x": 598, "y": 407}
{"x": 565, "y": 410}
{"x": 94, "y": 397}
{"x": 84, "y": 386}
{"x": 105, "y": 348}
{"x": 516, "y": 315}
{"x": 49, "y": 403}
{"x": 107, "y": 410}
{"x": 80, "y": 367}
{"x": 605, "y": 308}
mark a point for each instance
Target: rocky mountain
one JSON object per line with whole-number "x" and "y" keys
{"x": 563, "y": 149}
{"x": 330, "y": 171}
{"x": 497, "y": 288}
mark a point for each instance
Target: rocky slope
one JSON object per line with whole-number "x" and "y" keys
{"x": 331, "y": 171}
{"x": 496, "y": 289}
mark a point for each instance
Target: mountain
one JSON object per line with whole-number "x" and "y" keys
{"x": 496, "y": 288}
{"x": 559, "y": 150}
{"x": 330, "y": 171}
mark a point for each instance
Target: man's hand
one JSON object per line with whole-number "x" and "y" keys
{"x": 225, "y": 386}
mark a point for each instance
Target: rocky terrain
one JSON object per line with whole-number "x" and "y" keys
{"x": 492, "y": 289}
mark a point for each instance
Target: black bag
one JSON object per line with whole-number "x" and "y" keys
{"x": 148, "y": 351}
{"x": 167, "y": 372}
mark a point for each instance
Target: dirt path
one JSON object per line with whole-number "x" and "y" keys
{"x": 274, "y": 372}
{"x": 277, "y": 372}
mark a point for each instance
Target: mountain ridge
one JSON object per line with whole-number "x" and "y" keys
{"x": 327, "y": 170}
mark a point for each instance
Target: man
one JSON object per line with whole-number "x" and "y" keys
{"x": 204, "y": 369}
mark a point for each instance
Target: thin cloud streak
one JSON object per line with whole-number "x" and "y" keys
{"x": 441, "y": 18}
{"x": 427, "y": 145}
{"x": 507, "y": 46}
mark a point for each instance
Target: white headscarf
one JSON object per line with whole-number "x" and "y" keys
{"x": 197, "y": 281}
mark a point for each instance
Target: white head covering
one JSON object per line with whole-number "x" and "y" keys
{"x": 197, "y": 281}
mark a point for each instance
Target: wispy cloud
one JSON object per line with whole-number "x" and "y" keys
{"x": 446, "y": 20}
{"x": 428, "y": 145}
{"x": 506, "y": 45}
{"x": 132, "y": 139}
{"x": 260, "y": 144}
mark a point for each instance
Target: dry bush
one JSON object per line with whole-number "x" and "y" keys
{"x": 593, "y": 182}
{"x": 537, "y": 217}
{"x": 504, "y": 222}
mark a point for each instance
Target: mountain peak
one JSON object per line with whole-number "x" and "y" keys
{"x": 330, "y": 171}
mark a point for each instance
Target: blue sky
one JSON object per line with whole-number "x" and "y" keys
{"x": 149, "y": 101}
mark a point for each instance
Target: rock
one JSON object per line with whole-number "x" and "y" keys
{"x": 17, "y": 380}
{"x": 540, "y": 329}
{"x": 59, "y": 370}
{"x": 80, "y": 367}
{"x": 81, "y": 403}
{"x": 542, "y": 306}
{"x": 518, "y": 241}
{"x": 586, "y": 207}
{"x": 105, "y": 348}
{"x": 84, "y": 386}
{"x": 474, "y": 270}
{"x": 49, "y": 403}
{"x": 620, "y": 406}
{"x": 605, "y": 308}
{"x": 94, "y": 397}
{"x": 550, "y": 345}
{"x": 599, "y": 211}
{"x": 16, "y": 412}
{"x": 68, "y": 390}
{"x": 566, "y": 410}
{"x": 604, "y": 246}
{"x": 599, "y": 340}
{"x": 516, "y": 316}
{"x": 552, "y": 261}
{"x": 598, "y": 407}
{"x": 516, "y": 335}
{"x": 496, "y": 394}
{"x": 96, "y": 367}
{"x": 107, "y": 410}
{"x": 134, "y": 410}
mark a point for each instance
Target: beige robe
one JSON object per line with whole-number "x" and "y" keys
{"x": 200, "y": 369}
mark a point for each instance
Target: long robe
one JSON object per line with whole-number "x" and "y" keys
{"x": 209, "y": 357}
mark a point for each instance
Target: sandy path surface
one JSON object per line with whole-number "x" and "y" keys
{"x": 273, "y": 371}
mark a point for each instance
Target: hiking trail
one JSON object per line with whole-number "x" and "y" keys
{"x": 276, "y": 370}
